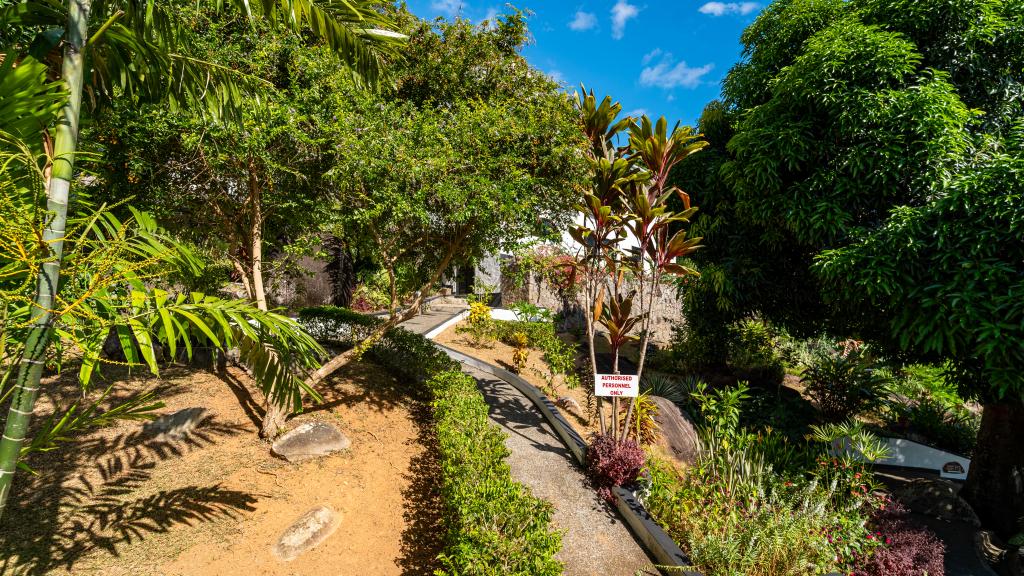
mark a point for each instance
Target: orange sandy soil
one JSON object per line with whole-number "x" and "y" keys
{"x": 500, "y": 354}
{"x": 117, "y": 502}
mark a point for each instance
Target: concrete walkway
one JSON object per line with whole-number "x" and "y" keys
{"x": 437, "y": 312}
{"x": 595, "y": 541}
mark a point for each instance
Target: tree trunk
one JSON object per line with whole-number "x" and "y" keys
{"x": 995, "y": 483}
{"x": 334, "y": 364}
{"x": 273, "y": 419}
{"x": 256, "y": 238}
{"x": 342, "y": 271}
{"x": 30, "y": 371}
{"x": 276, "y": 413}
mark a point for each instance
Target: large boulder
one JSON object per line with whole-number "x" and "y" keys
{"x": 310, "y": 440}
{"x": 310, "y": 529}
{"x": 938, "y": 499}
{"x": 678, "y": 435}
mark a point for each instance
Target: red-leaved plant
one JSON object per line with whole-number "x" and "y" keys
{"x": 613, "y": 463}
{"x": 909, "y": 549}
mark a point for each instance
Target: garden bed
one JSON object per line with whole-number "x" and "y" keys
{"x": 118, "y": 502}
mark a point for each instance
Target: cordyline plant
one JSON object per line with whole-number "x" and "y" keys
{"x": 629, "y": 197}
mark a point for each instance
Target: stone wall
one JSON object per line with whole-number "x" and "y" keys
{"x": 667, "y": 310}
{"x": 313, "y": 288}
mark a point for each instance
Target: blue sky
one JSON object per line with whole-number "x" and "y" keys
{"x": 660, "y": 57}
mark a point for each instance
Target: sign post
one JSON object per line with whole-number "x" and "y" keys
{"x": 617, "y": 385}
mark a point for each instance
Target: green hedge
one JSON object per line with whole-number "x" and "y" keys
{"x": 494, "y": 525}
{"x": 337, "y": 326}
{"x": 560, "y": 356}
{"x": 536, "y": 332}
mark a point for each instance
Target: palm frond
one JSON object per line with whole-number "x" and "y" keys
{"x": 28, "y": 102}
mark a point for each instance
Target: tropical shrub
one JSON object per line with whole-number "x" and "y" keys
{"x": 905, "y": 549}
{"x": 521, "y": 352}
{"x": 536, "y": 332}
{"x": 527, "y": 312}
{"x": 674, "y": 389}
{"x": 930, "y": 407}
{"x": 612, "y": 463}
{"x": 479, "y": 325}
{"x": 947, "y": 427}
{"x": 559, "y": 355}
{"x": 367, "y": 298}
{"x": 642, "y": 426}
{"x": 846, "y": 381}
{"x": 337, "y": 326}
{"x": 760, "y": 504}
{"x": 752, "y": 354}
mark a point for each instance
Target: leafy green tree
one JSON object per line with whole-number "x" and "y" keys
{"x": 844, "y": 118}
{"x": 471, "y": 152}
{"x": 135, "y": 50}
{"x": 947, "y": 279}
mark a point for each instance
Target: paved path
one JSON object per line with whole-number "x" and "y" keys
{"x": 595, "y": 542}
{"x": 437, "y": 312}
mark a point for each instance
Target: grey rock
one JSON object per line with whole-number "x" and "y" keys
{"x": 678, "y": 435}
{"x": 569, "y": 403}
{"x": 310, "y": 529}
{"x": 310, "y": 440}
{"x": 177, "y": 425}
{"x": 938, "y": 499}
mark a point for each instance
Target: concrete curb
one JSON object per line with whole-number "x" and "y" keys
{"x": 657, "y": 543}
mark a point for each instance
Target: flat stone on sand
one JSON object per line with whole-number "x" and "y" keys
{"x": 177, "y": 425}
{"x": 310, "y": 529}
{"x": 310, "y": 440}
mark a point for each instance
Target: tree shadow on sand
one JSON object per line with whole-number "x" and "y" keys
{"x": 103, "y": 494}
{"x": 423, "y": 537}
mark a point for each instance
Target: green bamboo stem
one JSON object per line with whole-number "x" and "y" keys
{"x": 30, "y": 370}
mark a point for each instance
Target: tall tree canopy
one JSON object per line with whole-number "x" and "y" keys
{"x": 867, "y": 173}
{"x": 470, "y": 152}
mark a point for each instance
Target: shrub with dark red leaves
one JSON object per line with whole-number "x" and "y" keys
{"x": 611, "y": 463}
{"x": 910, "y": 549}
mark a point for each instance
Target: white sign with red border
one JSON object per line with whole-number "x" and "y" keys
{"x": 624, "y": 385}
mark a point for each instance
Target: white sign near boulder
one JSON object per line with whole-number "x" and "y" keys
{"x": 625, "y": 385}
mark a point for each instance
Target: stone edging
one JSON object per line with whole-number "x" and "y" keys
{"x": 658, "y": 544}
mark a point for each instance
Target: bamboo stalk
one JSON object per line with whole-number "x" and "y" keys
{"x": 33, "y": 358}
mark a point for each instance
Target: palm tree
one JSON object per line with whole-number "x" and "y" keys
{"x": 135, "y": 49}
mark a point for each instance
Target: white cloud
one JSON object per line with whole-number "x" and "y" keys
{"x": 723, "y": 8}
{"x": 557, "y": 76}
{"x": 668, "y": 74}
{"x": 622, "y": 12}
{"x": 650, "y": 56}
{"x": 636, "y": 113}
{"x": 449, "y": 8}
{"x": 583, "y": 21}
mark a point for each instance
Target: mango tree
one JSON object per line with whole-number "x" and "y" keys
{"x": 866, "y": 184}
